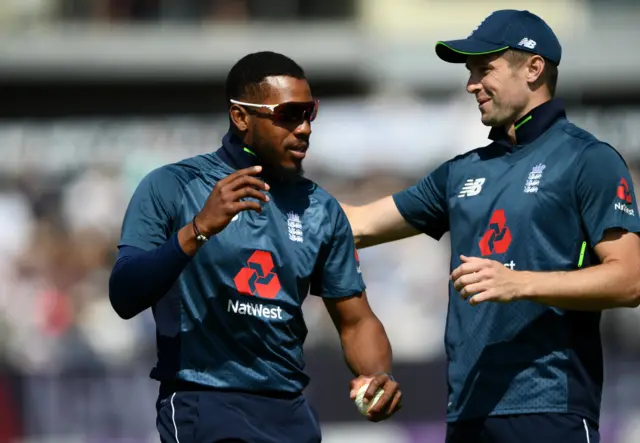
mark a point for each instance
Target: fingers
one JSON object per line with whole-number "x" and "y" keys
{"x": 466, "y": 280}
{"x": 471, "y": 290}
{"x": 246, "y": 205}
{"x": 253, "y": 170}
{"x": 389, "y": 387}
{"x": 396, "y": 403}
{"x": 481, "y": 297}
{"x": 372, "y": 389}
{"x": 469, "y": 268}
{"x": 248, "y": 192}
{"x": 246, "y": 181}
{"x": 382, "y": 404}
{"x": 388, "y": 404}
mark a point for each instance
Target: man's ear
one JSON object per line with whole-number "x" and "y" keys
{"x": 239, "y": 117}
{"x": 535, "y": 68}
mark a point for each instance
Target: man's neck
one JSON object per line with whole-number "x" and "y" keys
{"x": 510, "y": 128}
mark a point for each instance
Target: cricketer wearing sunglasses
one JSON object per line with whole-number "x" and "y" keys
{"x": 543, "y": 228}
{"x": 224, "y": 247}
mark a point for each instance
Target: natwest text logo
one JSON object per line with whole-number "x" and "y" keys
{"x": 497, "y": 238}
{"x": 258, "y": 278}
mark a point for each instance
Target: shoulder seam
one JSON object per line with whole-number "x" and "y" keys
{"x": 193, "y": 176}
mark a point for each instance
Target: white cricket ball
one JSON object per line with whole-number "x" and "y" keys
{"x": 359, "y": 401}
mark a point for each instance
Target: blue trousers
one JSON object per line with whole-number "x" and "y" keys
{"x": 235, "y": 417}
{"x": 526, "y": 428}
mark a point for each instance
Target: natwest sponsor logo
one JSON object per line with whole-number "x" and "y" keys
{"x": 624, "y": 193}
{"x": 497, "y": 238}
{"x": 254, "y": 309}
{"x": 258, "y": 279}
{"x": 624, "y": 196}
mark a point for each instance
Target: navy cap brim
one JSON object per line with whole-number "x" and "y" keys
{"x": 457, "y": 51}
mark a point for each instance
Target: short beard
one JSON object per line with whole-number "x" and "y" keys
{"x": 283, "y": 175}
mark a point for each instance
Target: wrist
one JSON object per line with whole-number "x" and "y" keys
{"x": 387, "y": 373}
{"x": 200, "y": 227}
{"x": 187, "y": 239}
{"x": 527, "y": 287}
{"x": 200, "y": 237}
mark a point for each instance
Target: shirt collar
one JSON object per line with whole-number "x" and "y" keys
{"x": 235, "y": 153}
{"x": 533, "y": 124}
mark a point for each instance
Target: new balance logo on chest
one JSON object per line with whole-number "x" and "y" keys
{"x": 531, "y": 186}
{"x": 471, "y": 187}
{"x": 294, "y": 226}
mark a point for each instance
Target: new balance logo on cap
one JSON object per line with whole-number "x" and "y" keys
{"x": 531, "y": 44}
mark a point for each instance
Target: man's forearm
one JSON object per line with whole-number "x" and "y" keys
{"x": 604, "y": 286}
{"x": 356, "y": 226}
{"x": 366, "y": 347}
{"x": 378, "y": 222}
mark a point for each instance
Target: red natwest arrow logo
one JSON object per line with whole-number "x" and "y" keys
{"x": 497, "y": 238}
{"x": 258, "y": 278}
{"x": 624, "y": 193}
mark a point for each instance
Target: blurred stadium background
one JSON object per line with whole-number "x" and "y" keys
{"x": 96, "y": 93}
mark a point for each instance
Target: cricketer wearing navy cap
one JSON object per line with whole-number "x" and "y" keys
{"x": 224, "y": 247}
{"x": 543, "y": 228}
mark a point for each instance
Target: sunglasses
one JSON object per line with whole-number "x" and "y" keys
{"x": 288, "y": 112}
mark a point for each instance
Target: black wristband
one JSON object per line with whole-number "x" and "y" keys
{"x": 199, "y": 237}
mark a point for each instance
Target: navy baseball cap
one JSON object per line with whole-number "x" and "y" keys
{"x": 503, "y": 30}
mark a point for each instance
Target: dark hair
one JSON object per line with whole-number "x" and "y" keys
{"x": 549, "y": 74}
{"x": 245, "y": 77}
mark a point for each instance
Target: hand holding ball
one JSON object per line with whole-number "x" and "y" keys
{"x": 359, "y": 401}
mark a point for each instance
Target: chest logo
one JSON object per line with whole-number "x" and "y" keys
{"x": 533, "y": 180}
{"x": 471, "y": 187}
{"x": 258, "y": 277}
{"x": 294, "y": 227}
{"x": 497, "y": 238}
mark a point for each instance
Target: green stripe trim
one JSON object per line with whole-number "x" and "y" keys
{"x": 249, "y": 151}
{"x": 471, "y": 53}
{"x": 582, "y": 251}
{"x": 523, "y": 122}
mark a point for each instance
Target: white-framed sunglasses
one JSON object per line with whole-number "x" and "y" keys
{"x": 287, "y": 112}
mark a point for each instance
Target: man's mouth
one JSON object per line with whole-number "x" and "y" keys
{"x": 299, "y": 150}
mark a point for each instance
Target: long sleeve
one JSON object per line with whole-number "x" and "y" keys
{"x": 140, "y": 278}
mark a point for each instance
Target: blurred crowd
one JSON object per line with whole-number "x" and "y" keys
{"x": 191, "y": 11}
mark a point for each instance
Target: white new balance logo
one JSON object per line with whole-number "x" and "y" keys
{"x": 527, "y": 43}
{"x": 472, "y": 187}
